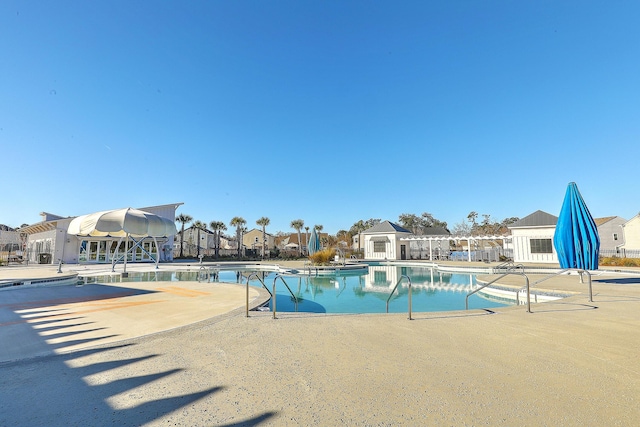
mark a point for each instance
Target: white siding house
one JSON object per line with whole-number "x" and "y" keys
{"x": 532, "y": 238}
{"x": 631, "y": 231}
{"x": 611, "y": 234}
{"x": 382, "y": 241}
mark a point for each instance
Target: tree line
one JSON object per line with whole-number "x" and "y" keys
{"x": 417, "y": 224}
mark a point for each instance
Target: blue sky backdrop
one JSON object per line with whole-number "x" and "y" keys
{"x": 327, "y": 111}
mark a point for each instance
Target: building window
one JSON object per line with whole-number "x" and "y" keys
{"x": 380, "y": 278}
{"x": 256, "y": 240}
{"x": 379, "y": 246}
{"x": 541, "y": 246}
{"x": 615, "y": 236}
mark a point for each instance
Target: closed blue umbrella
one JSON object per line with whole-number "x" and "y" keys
{"x": 576, "y": 237}
{"x": 314, "y": 243}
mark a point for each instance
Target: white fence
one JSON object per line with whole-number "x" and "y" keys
{"x": 621, "y": 253}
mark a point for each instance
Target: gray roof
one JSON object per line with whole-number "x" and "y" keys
{"x": 536, "y": 219}
{"x": 386, "y": 227}
{"x": 435, "y": 231}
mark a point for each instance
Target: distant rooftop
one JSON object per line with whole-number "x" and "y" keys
{"x": 536, "y": 219}
{"x": 386, "y": 227}
{"x": 600, "y": 221}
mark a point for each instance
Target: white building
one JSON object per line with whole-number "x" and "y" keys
{"x": 631, "y": 235}
{"x": 532, "y": 238}
{"x": 48, "y": 242}
{"x": 382, "y": 241}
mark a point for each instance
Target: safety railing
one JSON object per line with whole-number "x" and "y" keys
{"x": 340, "y": 258}
{"x": 508, "y": 266}
{"x": 396, "y": 287}
{"x": 252, "y": 275}
{"x": 308, "y": 266}
{"x": 203, "y": 274}
{"x": 274, "y": 295}
{"x": 569, "y": 270}
{"x": 520, "y": 273}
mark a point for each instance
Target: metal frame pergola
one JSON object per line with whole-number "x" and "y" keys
{"x": 456, "y": 239}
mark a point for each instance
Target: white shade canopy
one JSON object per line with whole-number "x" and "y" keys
{"x": 120, "y": 223}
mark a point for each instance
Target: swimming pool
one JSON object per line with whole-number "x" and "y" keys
{"x": 347, "y": 293}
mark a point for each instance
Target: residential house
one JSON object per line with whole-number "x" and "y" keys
{"x": 191, "y": 246}
{"x": 253, "y": 239}
{"x": 289, "y": 242}
{"x": 611, "y": 232}
{"x": 631, "y": 238}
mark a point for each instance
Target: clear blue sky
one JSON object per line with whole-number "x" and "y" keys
{"x": 327, "y": 111}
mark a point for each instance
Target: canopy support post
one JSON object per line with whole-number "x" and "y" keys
{"x": 157, "y": 252}
{"x": 126, "y": 254}
{"x": 115, "y": 256}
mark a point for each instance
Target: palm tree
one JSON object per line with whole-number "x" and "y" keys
{"x": 297, "y": 224}
{"x": 217, "y": 227}
{"x": 238, "y": 222}
{"x": 183, "y": 219}
{"x": 263, "y": 222}
{"x": 199, "y": 225}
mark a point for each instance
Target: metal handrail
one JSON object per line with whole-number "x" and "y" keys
{"x": 263, "y": 285}
{"x": 341, "y": 256}
{"x": 274, "y": 296}
{"x": 202, "y": 276}
{"x": 509, "y": 266}
{"x": 569, "y": 270}
{"x": 504, "y": 264}
{"x": 307, "y": 266}
{"x": 396, "y": 287}
{"x": 526, "y": 278}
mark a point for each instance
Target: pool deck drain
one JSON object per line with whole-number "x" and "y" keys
{"x": 183, "y": 353}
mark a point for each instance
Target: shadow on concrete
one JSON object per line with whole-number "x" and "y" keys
{"x": 549, "y": 307}
{"x": 53, "y": 327}
{"x": 619, "y": 281}
{"x": 109, "y": 385}
{"x": 615, "y": 298}
{"x": 251, "y": 421}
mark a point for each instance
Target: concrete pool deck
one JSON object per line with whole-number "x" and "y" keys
{"x": 183, "y": 353}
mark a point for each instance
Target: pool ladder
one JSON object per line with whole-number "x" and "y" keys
{"x": 396, "y": 287}
{"x": 206, "y": 274}
{"x": 272, "y": 294}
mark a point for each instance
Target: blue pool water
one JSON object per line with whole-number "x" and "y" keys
{"x": 368, "y": 293}
{"x": 355, "y": 293}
